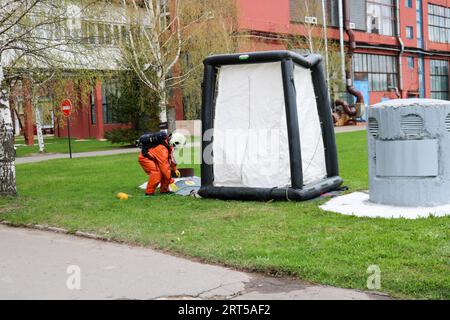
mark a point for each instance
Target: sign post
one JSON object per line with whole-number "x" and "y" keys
{"x": 66, "y": 108}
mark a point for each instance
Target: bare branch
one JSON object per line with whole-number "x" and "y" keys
{"x": 21, "y": 16}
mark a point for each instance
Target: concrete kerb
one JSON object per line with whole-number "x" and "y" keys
{"x": 58, "y": 230}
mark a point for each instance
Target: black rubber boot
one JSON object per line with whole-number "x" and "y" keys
{"x": 167, "y": 193}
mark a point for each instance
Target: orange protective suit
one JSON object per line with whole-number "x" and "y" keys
{"x": 158, "y": 163}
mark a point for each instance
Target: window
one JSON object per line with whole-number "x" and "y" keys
{"x": 409, "y": 3}
{"x": 84, "y": 31}
{"x": 101, "y": 33}
{"x": 92, "y": 35}
{"x": 123, "y": 35}
{"x": 299, "y": 9}
{"x": 89, "y": 32}
{"x": 116, "y": 35}
{"x": 439, "y": 79}
{"x": 108, "y": 35}
{"x": 380, "y": 71}
{"x": 438, "y": 23}
{"x": 380, "y": 17}
{"x": 410, "y": 62}
{"x": 72, "y": 29}
{"x": 409, "y": 32}
{"x": 110, "y": 93}
{"x": 58, "y": 31}
{"x": 92, "y": 101}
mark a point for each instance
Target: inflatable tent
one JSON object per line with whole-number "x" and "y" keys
{"x": 267, "y": 128}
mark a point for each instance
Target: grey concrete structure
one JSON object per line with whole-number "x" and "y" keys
{"x": 409, "y": 152}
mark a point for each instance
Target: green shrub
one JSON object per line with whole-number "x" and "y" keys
{"x": 123, "y": 135}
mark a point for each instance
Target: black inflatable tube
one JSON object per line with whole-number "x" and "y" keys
{"x": 259, "y": 57}
{"x": 266, "y": 194}
{"x": 295, "y": 153}
{"x": 209, "y": 80}
{"x": 313, "y": 59}
{"x": 326, "y": 119}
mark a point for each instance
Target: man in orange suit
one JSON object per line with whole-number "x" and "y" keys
{"x": 157, "y": 160}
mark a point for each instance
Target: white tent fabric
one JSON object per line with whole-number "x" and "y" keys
{"x": 250, "y": 144}
{"x": 311, "y": 141}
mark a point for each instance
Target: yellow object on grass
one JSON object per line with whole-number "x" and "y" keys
{"x": 173, "y": 187}
{"x": 122, "y": 196}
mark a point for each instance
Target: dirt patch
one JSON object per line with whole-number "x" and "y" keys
{"x": 9, "y": 207}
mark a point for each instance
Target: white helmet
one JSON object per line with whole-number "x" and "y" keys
{"x": 177, "y": 139}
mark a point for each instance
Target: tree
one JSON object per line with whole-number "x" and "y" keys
{"x": 153, "y": 46}
{"x": 160, "y": 32}
{"x": 37, "y": 80}
{"x": 37, "y": 85}
{"x": 312, "y": 38}
{"x": 214, "y": 36}
{"x": 32, "y": 31}
{"x": 135, "y": 104}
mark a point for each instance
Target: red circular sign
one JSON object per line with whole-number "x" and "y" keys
{"x": 66, "y": 107}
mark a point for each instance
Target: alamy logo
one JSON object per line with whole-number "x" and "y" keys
{"x": 73, "y": 282}
{"x": 374, "y": 280}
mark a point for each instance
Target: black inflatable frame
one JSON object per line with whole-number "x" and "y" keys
{"x": 298, "y": 191}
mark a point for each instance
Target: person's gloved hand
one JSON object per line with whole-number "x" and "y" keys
{"x": 177, "y": 173}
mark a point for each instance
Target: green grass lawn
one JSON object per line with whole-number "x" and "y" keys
{"x": 61, "y": 145}
{"x": 279, "y": 238}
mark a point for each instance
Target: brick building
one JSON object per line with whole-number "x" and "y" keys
{"x": 401, "y": 47}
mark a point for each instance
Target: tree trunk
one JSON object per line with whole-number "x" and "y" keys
{"x": 167, "y": 114}
{"x": 162, "y": 111}
{"x": 7, "y": 152}
{"x": 28, "y": 112}
{"x": 310, "y": 39}
{"x": 37, "y": 113}
{"x": 162, "y": 101}
{"x": 171, "y": 124}
{"x": 13, "y": 115}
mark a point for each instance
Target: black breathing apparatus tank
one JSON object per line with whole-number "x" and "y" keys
{"x": 153, "y": 139}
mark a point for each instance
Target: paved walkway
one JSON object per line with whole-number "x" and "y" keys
{"x": 349, "y": 129}
{"x": 74, "y": 155}
{"x": 34, "y": 265}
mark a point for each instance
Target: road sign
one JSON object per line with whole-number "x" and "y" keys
{"x": 66, "y": 107}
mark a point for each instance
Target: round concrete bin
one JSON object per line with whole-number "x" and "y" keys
{"x": 409, "y": 152}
